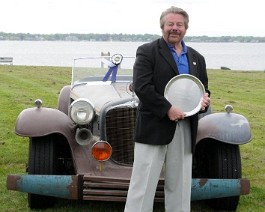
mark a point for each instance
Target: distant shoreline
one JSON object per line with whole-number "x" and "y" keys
{"x": 122, "y": 37}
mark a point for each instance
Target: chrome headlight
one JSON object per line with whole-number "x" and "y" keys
{"x": 82, "y": 111}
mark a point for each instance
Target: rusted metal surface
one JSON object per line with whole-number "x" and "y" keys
{"x": 245, "y": 187}
{"x": 65, "y": 186}
{"x": 37, "y": 122}
{"x": 226, "y": 127}
{"x": 218, "y": 188}
{"x": 11, "y": 182}
{"x": 120, "y": 125}
{"x": 110, "y": 189}
{"x": 115, "y": 189}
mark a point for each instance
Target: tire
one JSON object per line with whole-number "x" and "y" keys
{"x": 219, "y": 160}
{"x": 42, "y": 160}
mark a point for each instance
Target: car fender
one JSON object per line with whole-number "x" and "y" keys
{"x": 36, "y": 122}
{"x": 64, "y": 99}
{"x": 229, "y": 128}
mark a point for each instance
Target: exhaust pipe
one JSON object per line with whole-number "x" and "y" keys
{"x": 84, "y": 136}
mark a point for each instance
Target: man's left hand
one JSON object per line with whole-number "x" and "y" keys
{"x": 205, "y": 101}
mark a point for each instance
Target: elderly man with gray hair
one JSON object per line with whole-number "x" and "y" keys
{"x": 164, "y": 136}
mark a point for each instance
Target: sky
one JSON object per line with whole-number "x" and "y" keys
{"x": 207, "y": 17}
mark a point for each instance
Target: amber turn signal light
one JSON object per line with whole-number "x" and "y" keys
{"x": 101, "y": 150}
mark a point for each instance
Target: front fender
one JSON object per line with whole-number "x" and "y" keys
{"x": 229, "y": 128}
{"x": 36, "y": 122}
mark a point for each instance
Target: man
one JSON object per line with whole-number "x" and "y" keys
{"x": 163, "y": 135}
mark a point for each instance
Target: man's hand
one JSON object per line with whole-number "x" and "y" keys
{"x": 205, "y": 101}
{"x": 175, "y": 114}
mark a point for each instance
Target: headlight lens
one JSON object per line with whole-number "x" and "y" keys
{"x": 82, "y": 111}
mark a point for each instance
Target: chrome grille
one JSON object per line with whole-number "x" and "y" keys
{"x": 120, "y": 125}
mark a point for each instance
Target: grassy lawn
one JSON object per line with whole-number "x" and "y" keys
{"x": 21, "y": 85}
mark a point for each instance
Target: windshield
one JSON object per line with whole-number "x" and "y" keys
{"x": 107, "y": 69}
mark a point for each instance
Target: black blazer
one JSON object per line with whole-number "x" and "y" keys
{"x": 154, "y": 67}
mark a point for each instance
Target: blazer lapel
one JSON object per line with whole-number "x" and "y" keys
{"x": 192, "y": 63}
{"x": 165, "y": 52}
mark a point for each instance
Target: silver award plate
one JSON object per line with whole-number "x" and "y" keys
{"x": 185, "y": 91}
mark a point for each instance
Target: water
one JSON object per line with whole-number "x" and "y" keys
{"x": 236, "y": 56}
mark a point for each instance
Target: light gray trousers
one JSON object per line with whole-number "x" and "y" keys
{"x": 148, "y": 163}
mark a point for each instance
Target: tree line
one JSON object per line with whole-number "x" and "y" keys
{"x": 122, "y": 37}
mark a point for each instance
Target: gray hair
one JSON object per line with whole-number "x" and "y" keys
{"x": 174, "y": 10}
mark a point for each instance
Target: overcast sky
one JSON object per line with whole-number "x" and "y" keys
{"x": 207, "y": 17}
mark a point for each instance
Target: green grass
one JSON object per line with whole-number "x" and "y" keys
{"x": 21, "y": 85}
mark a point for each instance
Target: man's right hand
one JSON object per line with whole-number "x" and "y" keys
{"x": 175, "y": 114}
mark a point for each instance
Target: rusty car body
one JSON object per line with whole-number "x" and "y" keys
{"x": 83, "y": 150}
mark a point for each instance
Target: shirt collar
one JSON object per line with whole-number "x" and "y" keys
{"x": 184, "y": 47}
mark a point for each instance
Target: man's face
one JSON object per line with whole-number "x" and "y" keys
{"x": 174, "y": 28}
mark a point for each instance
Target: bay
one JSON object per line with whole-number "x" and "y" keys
{"x": 236, "y": 56}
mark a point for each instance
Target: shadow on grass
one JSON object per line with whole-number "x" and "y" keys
{"x": 97, "y": 206}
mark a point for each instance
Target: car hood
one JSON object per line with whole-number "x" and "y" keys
{"x": 100, "y": 93}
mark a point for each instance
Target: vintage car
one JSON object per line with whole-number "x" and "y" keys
{"x": 83, "y": 150}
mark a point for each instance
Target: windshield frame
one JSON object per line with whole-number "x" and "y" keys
{"x": 102, "y": 69}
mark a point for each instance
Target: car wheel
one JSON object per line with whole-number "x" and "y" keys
{"x": 219, "y": 160}
{"x": 42, "y": 160}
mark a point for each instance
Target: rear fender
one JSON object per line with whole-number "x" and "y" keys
{"x": 64, "y": 99}
{"x": 36, "y": 122}
{"x": 229, "y": 128}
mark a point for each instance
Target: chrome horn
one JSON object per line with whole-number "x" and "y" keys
{"x": 83, "y": 136}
